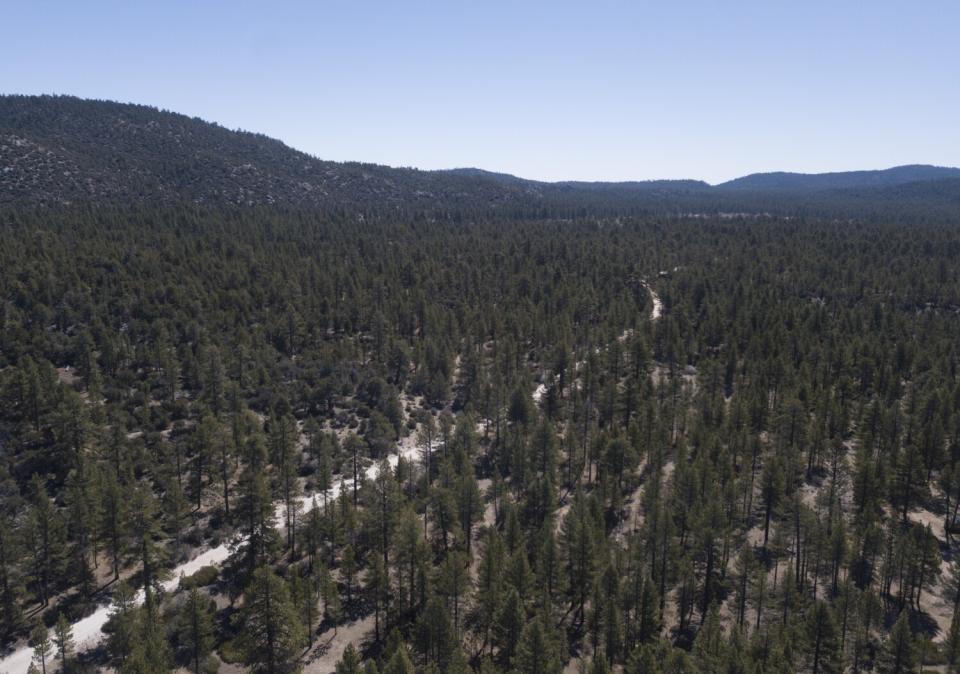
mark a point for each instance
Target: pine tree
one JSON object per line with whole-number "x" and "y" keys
{"x": 46, "y": 538}
{"x": 578, "y": 534}
{"x": 489, "y": 584}
{"x": 378, "y": 587}
{"x": 469, "y": 506}
{"x": 745, "y": 570}
{"x": 452, "y": 580}
{"x": 771, "y": 493}
{"x": 537, "y": 651}
{"x": 304, "y": 597}
{"x": 272, "y": 632}
{"x": 510, "y": 622}
{"x": 399, "y": 663}
{"x": 382, "y": 498}
{"x": 612, "y": 629}
{"x": 599, "y": 665}
{"x": 324, "y": 481}
{"x": 928, "y": 559}
{"x": 952, "y": 645}
{"x": 898, "y": 655}
{"x": 350, "y": 662}
{"x": 176, "y": 509}
{"x": 63, "y": 639}
{"x": 354, "y": 447}
{"x": 196, "y": 629}
{"x": 519, "y": 575}
{"x": 145, "y": 531}
{"x": 737, "y": 659}
{"x": 332, "y": 606}
{"x": 114, "y": 526}
{"x": 202, "y": 446}
{"x": 410, "y": 549}
{"x": 213, "y": 381}
{"x": 647, "y": 620}
{"x": 256, "y": 508}
{"x": 150, "y": 652}
{"x": 121, "y": 625}
{"x": 909, "y": 482}
{"x": 709, "y": 645}
{"x": 443, "y": 507}
{"x": 435, "y": 637}
{"x": 348, "y": 571}
{"x": 426, "y": 438}
{"x": 40, "y": 643}
{"x": 285, "y": 457}
{"x": 11, "y": 587}
{"x": 823, "y": 640}
{"x": 644, "y": 660}
{"x": 225, "y": 452}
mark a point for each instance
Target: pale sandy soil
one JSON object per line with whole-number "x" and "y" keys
{"x": 937, "y": 601}
{"x": 808, "y": 495}
{"x": 668, "y": 469}
{"x": 88, "y": 632}
{"x": 329, "y": 647}
{"x": 633, "y": 518}
{"x": 656, "y": 311}
{"x": 559, "y": 514}
{"x": 489, "y": 513}
{"x": 66, "y": 375}
{"x": 661, "y": 376}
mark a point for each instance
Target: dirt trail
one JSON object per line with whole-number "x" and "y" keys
{"x": 329, "y": 647}
{"x": 88, "y": 631}
{"x": 656, "y": 311}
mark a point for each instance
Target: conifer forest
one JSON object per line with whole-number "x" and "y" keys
{"x": 545, "y": 437}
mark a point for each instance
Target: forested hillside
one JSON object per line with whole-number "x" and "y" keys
{"x": 60, "y": 149}
{"x": 898, "y": 175}
{"x": 57, "y": 150}
{"x": 279, "y": 439}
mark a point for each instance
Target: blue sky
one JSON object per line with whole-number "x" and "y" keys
{"x": 593, "y": 90}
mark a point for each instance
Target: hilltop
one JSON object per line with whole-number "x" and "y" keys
{"x": 898, "y": 175}
{"x": 64, "y": 150}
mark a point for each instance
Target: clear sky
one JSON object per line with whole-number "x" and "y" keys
{"x": 550, "y": 90}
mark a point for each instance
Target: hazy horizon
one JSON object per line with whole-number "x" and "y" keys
{"x": 608, "y": 92}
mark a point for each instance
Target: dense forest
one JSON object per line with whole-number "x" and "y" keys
{"x": 278, "y": 440}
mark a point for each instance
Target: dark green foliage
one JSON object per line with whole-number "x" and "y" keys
{"x": 196, "y": 630}
{"x": 899, "y": 654}
{"x": 272, "y": 631}
{"x": 72, "y": 150}
{"x": 538, "y": 651}
{"x": 743, "y": 484}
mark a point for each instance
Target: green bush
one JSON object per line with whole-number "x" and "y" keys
{"x": 204, "y": 576}
{"x": 230, "y": 652}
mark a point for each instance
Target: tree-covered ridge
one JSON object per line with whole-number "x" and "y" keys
{"x": 61, "y": 149}
{"x": 760, "y": 478}
{"x": 898, "y": 175}
{"x": 58, "y": 150}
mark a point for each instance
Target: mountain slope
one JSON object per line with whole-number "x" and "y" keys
{"x": 898, "y": 175}
{"x": 61, "y": 150}
{"x": 64, "y": 149}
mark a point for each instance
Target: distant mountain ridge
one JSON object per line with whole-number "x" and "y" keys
{"x": 62, "y": 149}
{"x": 898, "y": 175}
{"x": 508, "y": 178}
